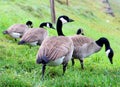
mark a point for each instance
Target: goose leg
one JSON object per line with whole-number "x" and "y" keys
{"x": 43, "y": 70}
{"x": 67, "y": 58}
{"x": 30, "y": 46}
{"x": 81, "y": 62}
{"x": 15, "y": 39}
{"x": 64, "y": 67}
{"x": 73, "y": 62}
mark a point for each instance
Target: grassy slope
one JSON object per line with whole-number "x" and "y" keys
{"x": 17, "y": 63}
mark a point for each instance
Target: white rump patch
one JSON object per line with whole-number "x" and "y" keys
{"x": 15, "y": 35}
{"x": 63, "y": 20}
{"x": 56, "y": 62}
{"x": 48, "y": 25}
{"x": 107, "y": 52}
{"x": 34, "y": 43}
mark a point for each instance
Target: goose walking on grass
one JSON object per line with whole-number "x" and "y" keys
{"x": 56, "y": 50}
{"x": 35, "y": 36}
{"x": 17, "y": 30}
{"x": 85, "y": 46}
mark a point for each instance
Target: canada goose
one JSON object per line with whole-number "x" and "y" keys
{"x": 17, "y": 30}
{"x": 80, "y": 31}
{"x": 84, "y": 47}
{"x": 35, "y": 36}
{"x": 56, "y": 50}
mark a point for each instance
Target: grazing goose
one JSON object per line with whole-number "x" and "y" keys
{"x": 35, "y": 36}
{"x": 56, "y": 50}
{"x": 17, "y": 30}
{"x": 80, "y": 31}
{"x": 84, "y": 47}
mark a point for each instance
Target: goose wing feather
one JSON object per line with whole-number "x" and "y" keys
{"x": 34, "y": 34}
{"x": 80, "y": 40}
{"x": 55, "y": 47}
{"x": 18, "y": 28}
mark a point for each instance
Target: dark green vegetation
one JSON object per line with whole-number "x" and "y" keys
{"x": 17, "y": 63}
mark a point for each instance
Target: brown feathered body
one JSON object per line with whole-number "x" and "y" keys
{"x": 34, "y": 35}
{"x": 58, "y": 50}
{"x": 84, "y": 46}
{"x": 17, "y": 30}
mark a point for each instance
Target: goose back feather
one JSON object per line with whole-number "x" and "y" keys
{"x": 84, "y": 46}
{"x": 57, "y": 49}
{"x": 17, "y": 30}
{"x": 37, "y": 34}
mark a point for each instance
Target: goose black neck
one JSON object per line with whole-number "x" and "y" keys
{"x": 42, "y": 25}
{"x": 102, "y": 41}
{"x": 59, "y": 28}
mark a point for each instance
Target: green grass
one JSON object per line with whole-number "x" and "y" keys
{"x": 18, "y": 66}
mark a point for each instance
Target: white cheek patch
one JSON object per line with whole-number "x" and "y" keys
{"x": 15, "y": 35}
{"x": 63, "y": 20}
{"x": 107, "y": 52}
{"x": 48, "y": 25}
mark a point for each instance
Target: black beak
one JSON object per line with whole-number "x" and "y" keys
{"x": 52, "y": 27}
{"x": 111, "y": 60}
{"x": 110, "y": 55}
{"x": 71, "y": 20}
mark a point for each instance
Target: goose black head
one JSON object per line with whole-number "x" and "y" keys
{"x": 29, "y": 24}
{"x": 60, "y": 22}
{"x": 47, "y": 24}
{"x": 110, "y": 54}
{"x": 64, "y": 19}
{"x": 108, "y": 49}
{"x": 80, "y": 31}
